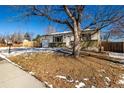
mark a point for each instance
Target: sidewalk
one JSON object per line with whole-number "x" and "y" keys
{"x": 13, "y": 77}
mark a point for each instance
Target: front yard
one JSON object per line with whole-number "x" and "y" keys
{"x": 64, "y": 71}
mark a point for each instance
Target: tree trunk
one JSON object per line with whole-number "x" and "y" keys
{"x": 77, "y": 41}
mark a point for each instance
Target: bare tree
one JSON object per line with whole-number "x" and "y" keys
{"x": 17, "y": 37}
{"x": 27, "y": 36}
{"x": 117, "y": 30}
{"x": 2, "y": 39}
{"x": 78, "y": 17}
{"x": 50, "y": 29}
{"x": 73, "y": 17}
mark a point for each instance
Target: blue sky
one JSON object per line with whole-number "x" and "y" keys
{"x": 10, "y": 24}
{"x": 34, "y": 25}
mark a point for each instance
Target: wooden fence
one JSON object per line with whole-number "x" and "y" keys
{"x": 113, "y": 46}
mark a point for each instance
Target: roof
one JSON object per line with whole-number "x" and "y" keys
{"x": 89, "y": 31}
{"x": 86, "y": 31}
{"x": 65, "y": 32}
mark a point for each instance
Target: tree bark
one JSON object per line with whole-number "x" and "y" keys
{"x": 77, "y": 40}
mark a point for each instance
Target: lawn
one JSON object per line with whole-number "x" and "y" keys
{"x": 68, "y": 72}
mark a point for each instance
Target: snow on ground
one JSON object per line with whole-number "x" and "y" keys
{"x": 122, "y": 60}
{"x": 17, "y": 51}
{"x": 86, "y": 79}
{"x": 76, "y": 81}
{"x": 32, "y": 73}
{"x": 20, "y": 50}
{"x": 93, "y": 87}
{"x": 66, "y": 51}
{"x": 49, "y": 85}
{"x": 80, "y": 85}
{"x": 121, "y": 81}
{"x": 64, "y": 77}
{"x": 108, "y": 79}
{"x": 117, "y": 55}
{"x": 4, "y": 48}
{"x": 61, "y": 77}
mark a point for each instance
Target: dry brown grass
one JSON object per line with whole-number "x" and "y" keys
{"x": 47, "y": 66}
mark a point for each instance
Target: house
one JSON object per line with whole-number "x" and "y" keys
{"x": 28, "y": 43}
{"x": 89, "y": 39}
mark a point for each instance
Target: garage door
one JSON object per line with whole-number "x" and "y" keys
{"x": 45, "y": 43}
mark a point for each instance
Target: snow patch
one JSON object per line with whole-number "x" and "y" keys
{"x": 117, "y": 55}
{"x": 121, "y": 81}
{"x": 86, "y": 79}
{"x": 108, "y": 79}
{"x": 76, "y": 81}
{"x": 49, "y": 85}
{"x": 63, "y": 77}
{"x": 80, "y": 85}
{"x": 32, "y": 73}
{"x": 65, "y": 51}
{"x": 22, "y": 50}
{"x": 93, "y": 87}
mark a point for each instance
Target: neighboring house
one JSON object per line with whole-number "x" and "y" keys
{"x": 28, "y": 43}
{"x": 25, "y": 43}
{"x": 65, "y": 39}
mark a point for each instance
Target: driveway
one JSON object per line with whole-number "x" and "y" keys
{"x": 12, "y": 76}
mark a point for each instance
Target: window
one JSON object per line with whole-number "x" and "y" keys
{"x": 58, "y": 39}
{"x": 86, "y": 37}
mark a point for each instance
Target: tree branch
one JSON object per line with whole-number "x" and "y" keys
{"x": 68, "y": 12}
{"x": 110, "y": 21}
{"x": 37, "y": 12}
{"x": 80, "y": 9}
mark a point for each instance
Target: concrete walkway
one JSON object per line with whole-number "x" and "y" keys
{"x": 13, "y": 77}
